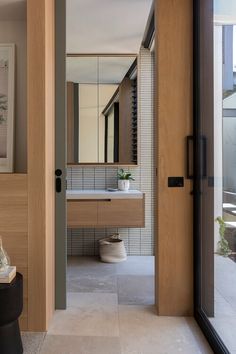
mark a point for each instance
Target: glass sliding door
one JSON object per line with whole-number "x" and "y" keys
{"x": 215, "y": 171}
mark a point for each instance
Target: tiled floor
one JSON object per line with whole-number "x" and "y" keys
{"x": 110, "y": 311}
{"x": 132, "y": 281}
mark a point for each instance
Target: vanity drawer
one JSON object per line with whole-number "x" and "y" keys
{"x": 121, "y": 213}
{"x": 82, "y": 213}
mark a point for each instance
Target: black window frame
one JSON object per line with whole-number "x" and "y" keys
{"x": 210, "y": 333}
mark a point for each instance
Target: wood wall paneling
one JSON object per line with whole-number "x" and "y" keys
{"x": 174, "y": 249}
{"x": 14, "y": 228}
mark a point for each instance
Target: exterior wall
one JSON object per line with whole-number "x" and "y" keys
{"x": 137, "y": 241}
{"x": 228, "y": 78}
{"x": 218, "y": 110}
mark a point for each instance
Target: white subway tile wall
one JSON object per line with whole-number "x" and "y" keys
{"x": 84, "y": 242}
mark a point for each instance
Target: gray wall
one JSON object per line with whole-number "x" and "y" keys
{"x": 15, "y": 32}
{"x": 137, "y": 241}
{"x": 229, "y": 154}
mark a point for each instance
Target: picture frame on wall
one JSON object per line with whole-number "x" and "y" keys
{"x": 7, "y": 98}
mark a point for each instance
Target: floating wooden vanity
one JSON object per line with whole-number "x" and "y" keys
{"x": 97, "y": 209}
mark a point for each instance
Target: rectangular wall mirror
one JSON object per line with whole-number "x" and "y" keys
{"x": 101, "y": 109}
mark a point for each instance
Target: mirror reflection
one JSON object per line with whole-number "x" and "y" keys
{"x": 101, "y": 109}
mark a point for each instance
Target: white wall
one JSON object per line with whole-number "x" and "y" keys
{"x": 15, "y": 32}
{"x": 229, "y": 144}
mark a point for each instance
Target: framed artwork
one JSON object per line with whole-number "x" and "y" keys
{"x": 7, "y": 89}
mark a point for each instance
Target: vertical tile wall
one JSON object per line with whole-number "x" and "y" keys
{"x": 137, "y": 241}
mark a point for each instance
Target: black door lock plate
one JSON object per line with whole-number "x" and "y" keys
{"x": 175, "y": 182}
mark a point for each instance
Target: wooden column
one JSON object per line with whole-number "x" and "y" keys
{"x": 174, "y": 249}
{"x": 41, "y": 122}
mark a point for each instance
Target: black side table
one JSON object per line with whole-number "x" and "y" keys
{"x": 11, "y": 305}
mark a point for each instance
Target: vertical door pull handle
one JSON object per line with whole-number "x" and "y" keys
{"x": 58, "y": 174}
{"x": 204, "y": 156}
{"x": 58, "y": 185}
{"x": 190, "y": 173}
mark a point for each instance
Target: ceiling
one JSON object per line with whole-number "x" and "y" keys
{"x": 12, "y": 10}
{"x": 91, "y": 70}
{"x": 106, "y": 26}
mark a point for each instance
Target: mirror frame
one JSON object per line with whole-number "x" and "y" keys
{"x": 107, "y": 164}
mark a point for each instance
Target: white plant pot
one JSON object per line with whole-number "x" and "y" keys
{"x": 123, "y": 185}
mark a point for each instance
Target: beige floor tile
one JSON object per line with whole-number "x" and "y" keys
{"x": 80, "y": 345}
{"x": 85, "y": 300}
{"x": 87, "y": 315}
{"x": 32, "y": 342}
{"x": 142, "y": 332}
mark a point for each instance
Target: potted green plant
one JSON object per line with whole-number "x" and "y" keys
{"x": 124, "y": 179}
{"x": 223, "y": 244}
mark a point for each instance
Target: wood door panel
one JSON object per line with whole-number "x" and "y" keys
{"x": 121, "y": 212}
{"x": 81, "y": 213}
{"x": 173, "y": 116}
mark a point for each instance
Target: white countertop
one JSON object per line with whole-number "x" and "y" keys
{"x": 103, "y": 194}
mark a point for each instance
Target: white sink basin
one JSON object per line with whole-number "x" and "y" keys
{"x": 103, "y": 194}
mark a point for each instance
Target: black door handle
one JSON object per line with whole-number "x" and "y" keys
{"x": 190, "y": 172}
{"x": 204, "y": 156}
{"x": 58, "y": 173}
{"x": 58, "y": 185}
{"x": 190, "y": 157}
